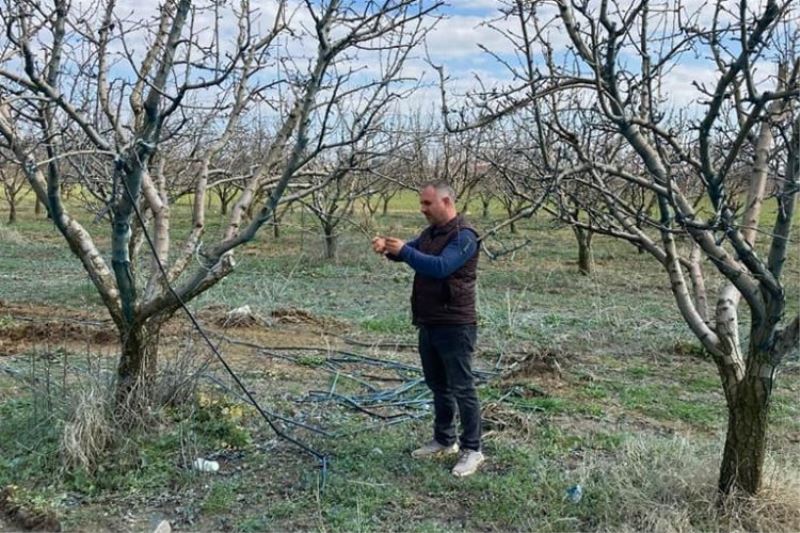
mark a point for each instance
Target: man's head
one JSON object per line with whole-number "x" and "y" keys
{"x": 437, "y": 201}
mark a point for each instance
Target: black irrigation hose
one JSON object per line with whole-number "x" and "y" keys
{"x": 376, "y": 398}
{"x": 327, "y": 395}
{"x": 322, "y": 458}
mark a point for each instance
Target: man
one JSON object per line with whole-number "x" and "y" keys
{"x": 445, "y": 259}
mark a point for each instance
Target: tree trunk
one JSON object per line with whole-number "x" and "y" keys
{"x": 12, "y": 210}
{"x": 223, "y": 205}
{"x": 136, "y": 373}
{"x": 385, "y": 209}
{"x": 37, "y": 208}
{"x": 510, "y": 212}
{"x": 745, "y": 443}
{"x": 485, "y": 207}
{"x": 585, "y": 256}
{"x": 330, "y": 242}
{"x": 276, "y": 228}
{"x": 370, "y": 205}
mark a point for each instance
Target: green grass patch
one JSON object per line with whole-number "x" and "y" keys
{"x": 388, "y": 325}
{"x": 220, "y": 498}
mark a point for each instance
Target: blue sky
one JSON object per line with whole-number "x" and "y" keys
{"x": 453, "y": 43}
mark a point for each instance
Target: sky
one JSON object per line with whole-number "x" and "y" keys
{"x": 454, "y": 43}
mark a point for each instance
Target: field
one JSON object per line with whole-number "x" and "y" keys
{"x": 586, "y": 380}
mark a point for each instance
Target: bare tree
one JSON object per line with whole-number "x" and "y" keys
{"x": 382, "y": 190}
{"x": 344, "y": 177}
{"x": 129, "y": 85}
{"x": 626, "y": 141}
{"x": 332, "y": 204}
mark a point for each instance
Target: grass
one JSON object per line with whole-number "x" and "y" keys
{"x": 220, "y": 498}
{"x": 387, "y": 324}
{"x": 30, "y": 442}
{"x": 637, "y": 417}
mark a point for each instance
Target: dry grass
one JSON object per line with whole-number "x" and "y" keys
{"x": 497, "y": 418}
{"x": 241, "y": 317}
{"x": 90, "y": 429}
{"x": 179, "y": 374}
{"x": 670, "y": 485}
{"x": 10, "y": 235}
{"x": 775, "y": 508}
{"x": 94, "y": 422}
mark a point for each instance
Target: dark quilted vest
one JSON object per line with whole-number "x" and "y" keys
{"x": 449, "y": 301}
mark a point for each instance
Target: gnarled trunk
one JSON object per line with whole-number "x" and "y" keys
{"x": 745, "y": 443}
{"x": 748, "y": 395}
{"x": 136, "y": 373}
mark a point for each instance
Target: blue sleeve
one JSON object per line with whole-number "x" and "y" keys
{"x": 414, "y": 243}
{"x": 457, "y": 252}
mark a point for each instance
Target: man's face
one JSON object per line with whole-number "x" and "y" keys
{"x": 434, "y": 207}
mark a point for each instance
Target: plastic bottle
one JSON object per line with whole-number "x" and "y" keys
{"x": 204, "y": 465}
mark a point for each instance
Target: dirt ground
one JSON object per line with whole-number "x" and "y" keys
{"x": 25, "y": 326}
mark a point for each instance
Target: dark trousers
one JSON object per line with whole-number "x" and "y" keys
{"x": 446, "y": 353}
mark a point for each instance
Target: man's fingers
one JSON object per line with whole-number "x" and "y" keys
{"x": 379, "y": 245}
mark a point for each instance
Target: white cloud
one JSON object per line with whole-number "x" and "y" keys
{"x": 458, "y": 36}
{"x": 680, "y": 84}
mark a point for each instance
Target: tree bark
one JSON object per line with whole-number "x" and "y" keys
{"x": 485, "y": 207}
{"x": 330, "y": 242}
{"x": 12, "y": 210}
{"x": 745, "y": 443}
{"x": 585, "y": 256}
{"x": 224, "y": 203}
{"x": 136, "y": 373}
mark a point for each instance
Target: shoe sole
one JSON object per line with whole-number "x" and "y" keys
{"x": 434, "y": 455}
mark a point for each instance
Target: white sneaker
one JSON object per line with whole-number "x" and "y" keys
{"x": 434, "y": 449}
{"x": 468, "y": 463}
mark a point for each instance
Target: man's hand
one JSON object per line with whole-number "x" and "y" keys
{"x": 393, "y": 245}
{"x": 379, "y": 245}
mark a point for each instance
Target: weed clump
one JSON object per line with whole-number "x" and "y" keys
{"x": 668, "y": 485}
{"x": 221, "y": 421}
{"x": 89, "y": 430}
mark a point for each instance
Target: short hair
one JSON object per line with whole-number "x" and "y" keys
{"x": 442, "y": 187}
